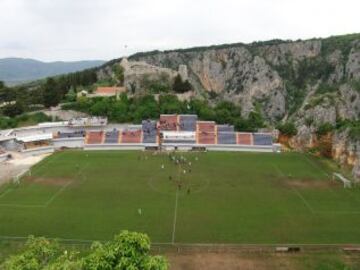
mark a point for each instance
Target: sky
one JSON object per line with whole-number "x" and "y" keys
{"x": 70, "y": 30}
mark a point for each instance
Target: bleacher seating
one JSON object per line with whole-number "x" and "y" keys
{"x": 175, "y": 129}
{"x": 168, "y": 122}
{"x": 149, "y": 131}
{"x": 187, "y": 122}
{"x": 225, "y": 128}
{"x": 75, "y": 134}
{"x": 207, "y": 137}
{"x": 112, "y": 136}
{"x": 262, "y": 139}
{"x": 131, "y": 136}
{"x": 244, "y": 138}
{"x": 95, "y": 137}
{"x": 226, "y": 138}
{"x": 206, "y": 126}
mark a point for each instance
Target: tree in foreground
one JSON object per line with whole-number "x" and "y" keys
{"x": 127, "y": 251}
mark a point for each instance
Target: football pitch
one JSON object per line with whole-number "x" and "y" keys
{"x": 212, "y": 197}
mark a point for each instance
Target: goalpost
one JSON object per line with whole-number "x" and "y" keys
{"x": 346, "y": 182}
{"x": 16, "y": 178}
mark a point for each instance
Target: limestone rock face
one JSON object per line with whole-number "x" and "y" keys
{"x": 356, "y": 170}
{"x": 353, "y": 63}
{"x": 348, "y": 105}
{"x": 347, "y": 151}
{"x": 279, "y": 54}
{"x": 324, "y": 113}
{"x": 183, "y": 72}
{"x": 138, "y": 74}
{"x": 232, "y": 73}
{"x": 306, "y": 82}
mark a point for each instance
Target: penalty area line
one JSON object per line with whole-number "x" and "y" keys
{"x": 56, "y": 194}
{"x": 301, "y": 197}
{"x": 6, "y": 192}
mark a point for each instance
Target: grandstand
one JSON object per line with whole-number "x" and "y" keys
{"x": 187, "y": 122}
{"x": 206, "y": 132}
{"x": 131, "y": 136}
{"x": 150, "y": 133}
{"x": 94, "y": 137}
{"x": 226, "y": 138}
{"x": 183, "y": 132}
{"x": 112, "y": 136}
{"x": 244, "y": 138}
{"x": 262, "y": 139}
{"x": 168, "y": 122}
{"x": 75, "y": 134}
{"x": 225, "y": 128}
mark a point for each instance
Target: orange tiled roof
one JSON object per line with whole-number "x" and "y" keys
{"x": 109, "y": 90}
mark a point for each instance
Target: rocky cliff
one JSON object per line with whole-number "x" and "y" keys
{"x": 310, "y": 83}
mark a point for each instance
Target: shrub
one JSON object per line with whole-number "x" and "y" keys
{"x": 324, "y": 129}
{"x": 288, "y": 129}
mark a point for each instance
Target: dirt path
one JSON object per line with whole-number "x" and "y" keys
{"x": 17, "y": 165}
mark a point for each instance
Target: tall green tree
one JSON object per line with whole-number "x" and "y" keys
{"x": 181, "y": 86}
{"x": 127, "y": 251}
{"x": 51, "y": 93}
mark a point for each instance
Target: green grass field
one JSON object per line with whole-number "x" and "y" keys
{"x": 245, "y": 198}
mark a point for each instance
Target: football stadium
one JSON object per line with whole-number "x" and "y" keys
{"x": 180, "y": 180}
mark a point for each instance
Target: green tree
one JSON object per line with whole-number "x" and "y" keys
{"x": 71, "y": 95}
{"x": 119, "y": 73}
{"x": 180, "y": 86}
{"x": 13, "y": 110}
{"x": 101, "y": 108}
{"x": 38, "y": 253}
{"x": 50, "y": 93}
{"x": 170, "y": 104}
{"x": 127, "y": 251}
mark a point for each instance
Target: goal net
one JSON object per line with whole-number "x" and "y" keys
{"x": 16, "y": 178}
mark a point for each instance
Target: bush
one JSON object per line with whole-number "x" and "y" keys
{"x": 324, "y": 129}
{"x": 287, "y": 129}
{"x": 324, "y": 88}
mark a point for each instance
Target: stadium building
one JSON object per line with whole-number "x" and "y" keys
{"x": 170, "y": 132}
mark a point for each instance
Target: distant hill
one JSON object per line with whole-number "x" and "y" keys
{"x": 18, "y": 70}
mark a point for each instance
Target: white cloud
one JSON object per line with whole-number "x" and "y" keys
{"x": 101, "y": 29}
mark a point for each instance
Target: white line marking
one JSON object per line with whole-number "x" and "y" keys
{"x": 49, "y": 201}
{"x": 316, "y": 166}
{"x": 307, "y": 204}
{"x": 175, "y": 216}
{"x": 6, "y": 192}
{"x": 56, "y": 194}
